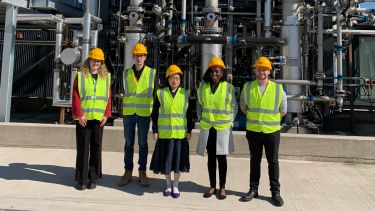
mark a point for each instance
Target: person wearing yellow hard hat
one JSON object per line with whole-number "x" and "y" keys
{"x": 91, "y": 107}
{"x": 264, "y": 102}
{"x": 216, "y": 110}
{"x": 139, "y": 83}
{"x": 172, "y": 123}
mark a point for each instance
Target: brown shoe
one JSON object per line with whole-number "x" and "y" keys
{"x": 143, "y": 180}
{"x": 125, "y": 179}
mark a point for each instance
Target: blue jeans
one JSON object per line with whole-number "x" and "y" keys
{"x": 143, "y": 125}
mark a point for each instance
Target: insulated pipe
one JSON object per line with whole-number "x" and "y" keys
{"x": 291, "y": 32}
{"x": 310, "y": 98}
{"x": 210, "y": 50}
{"x": 73, "y": 20}
{"x": 320, "y": 70}
{"x": 259, "y": 18}
{"x": 351, "y": 31}
{"x": 170, "y": 23}
{"x": 228, "y": 40}
{"x": 339, "y": 91}
{"x": 86, "y": 33}
{"x": 295, "y": 82}
{"x": 267, "y": 18}
{"x": 183, "y": 17}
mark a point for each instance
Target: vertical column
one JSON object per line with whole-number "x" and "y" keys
{"x": 8, "y": 63}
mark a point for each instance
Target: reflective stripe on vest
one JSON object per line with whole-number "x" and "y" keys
{"x": 263, "y": 113}
{"x": 94, "y": 95}
{"x": 138, "y": 97}
{"x": 216, "y": 107}
{"x": 172, "y": 121}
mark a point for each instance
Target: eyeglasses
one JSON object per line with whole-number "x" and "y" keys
{"x": 96, "y": 61}
{"x": 176, "y": 78}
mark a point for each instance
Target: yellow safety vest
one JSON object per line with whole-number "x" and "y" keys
{"x": 216, "y": 107}
{"x": 263, "y": 113}
{"x": 138, "y": 95}
{"x": 94, "y": 95}
{"x": 172, "y": 121}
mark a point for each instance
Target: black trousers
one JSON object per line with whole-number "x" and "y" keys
{"x": 271, "y": 144}
{"x": 211, "y": 162}
{"x": 89, "y": 151}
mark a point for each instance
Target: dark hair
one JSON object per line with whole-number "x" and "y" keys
{"x": 207, "y": 77}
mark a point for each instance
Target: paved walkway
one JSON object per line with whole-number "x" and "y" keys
{"x": 43, "y": 179}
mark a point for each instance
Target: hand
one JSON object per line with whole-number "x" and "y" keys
{"x": 155, "y": 136}
{"x": 104, "y": 120}
{"x": 188, "y": 136}
{"x": 82, "y": 121}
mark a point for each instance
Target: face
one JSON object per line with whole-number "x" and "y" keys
{"x": 262, "y": 73}
{"x": 174, "y": 81}
{"x": 95, "y": 65}
{"x": 216, "y": 73}
{"x": 139, "y": 59}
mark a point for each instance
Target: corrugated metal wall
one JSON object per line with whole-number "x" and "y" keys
{"x": 33, "y": 61}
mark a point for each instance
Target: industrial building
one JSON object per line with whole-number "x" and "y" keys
{"x": 321, "y": 51}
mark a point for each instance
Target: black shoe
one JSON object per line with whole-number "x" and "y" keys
{"x": 208, "y": 194}
{"x": 253, "y": 193}
{"x": 277, "y": 200}
{"x": 91, "y": 185}
{"x": 222, "y": 196}
{"x": 80, "y": 186}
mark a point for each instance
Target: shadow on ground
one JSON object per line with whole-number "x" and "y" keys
{"x": 65, "y": 176}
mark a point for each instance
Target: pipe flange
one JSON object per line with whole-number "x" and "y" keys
{"x": 135, "y": 9}
{"x": 212, "y": 30}
{"x": 214, "y": 10}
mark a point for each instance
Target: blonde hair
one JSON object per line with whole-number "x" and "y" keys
{"x": 102, "y": 71}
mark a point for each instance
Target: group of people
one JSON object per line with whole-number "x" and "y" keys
{"x": 170, "y": 109}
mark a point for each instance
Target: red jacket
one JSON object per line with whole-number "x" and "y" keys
{"x": 76, "y": 103}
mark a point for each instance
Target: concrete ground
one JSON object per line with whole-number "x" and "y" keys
{"x": 43, "y": 179}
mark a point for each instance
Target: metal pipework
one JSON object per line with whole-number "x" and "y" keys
{"x": 267, "y": 18}
{"x": 86, "y": 33}
{"x": 339, "y": 48}
{"x": 183, "y": 17}
{"x": 228, "y": 40}
{"x": 319, "y": 76}
{"x": 350, "y": 31}
{"x": 310, "y": 98}
{"x": 291, "y": 32}
{"x": 57, "y": 101}
{"x": 258, "y": 18}
{"x": 134, "y": 32}
{"x": 211, "y": 30}
{"x": 295, "y": 82}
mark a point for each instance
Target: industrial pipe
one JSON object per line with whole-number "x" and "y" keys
{"x": 320, "y": 73}
{"x": 350, "y": 31}
{"x": 183, "y": 17}
{"x": 229, "y": 40}
{"x": 339, "y": 48}
{"x": 258, "y": 18}
{"x": 86, "y": 33}
{"x": 310, "y": 98}
{"x": 267, "y": 18}
{"x": 295, "y": 82}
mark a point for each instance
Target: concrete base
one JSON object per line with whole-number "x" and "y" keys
{"x": 354, "y": 149}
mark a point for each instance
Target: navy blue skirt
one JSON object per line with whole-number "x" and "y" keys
{"x": 170, "y": 155}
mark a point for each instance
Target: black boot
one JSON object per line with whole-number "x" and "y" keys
{"x": 80, "y": 186}
{"x": 253, "y": 193}
{"x": 277, "y": 200}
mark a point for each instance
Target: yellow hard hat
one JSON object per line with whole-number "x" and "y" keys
{"x": 263, "y": 62}
{"x": 173, "y": 69}
{"x": 139, "y": 49}
{"x": 216, "y": 62}
{"x": 96, "y": 54}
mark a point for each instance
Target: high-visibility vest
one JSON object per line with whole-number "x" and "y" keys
{"x": 263, "y": 113}
{"x": 94, "y": 95}
{"x": 138, "y": 95}
{"x": 216, "y": 107}
{"x": 172, "y": 121}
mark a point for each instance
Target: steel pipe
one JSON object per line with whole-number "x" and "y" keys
{"x": 229, "y": 40}
{"x": 295, "y": 82}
